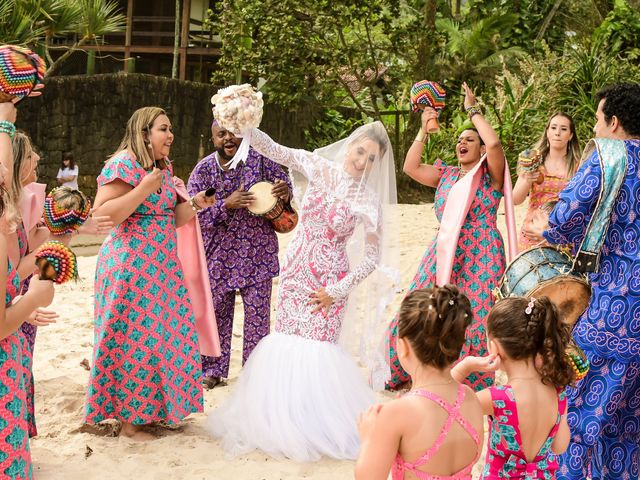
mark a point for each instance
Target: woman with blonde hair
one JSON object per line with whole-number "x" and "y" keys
{"x": 146, "y": 363}
{"x": 15, "y": 461}
{"x": 559, "y": 151}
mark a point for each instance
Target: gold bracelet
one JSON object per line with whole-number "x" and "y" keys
{"x": 194, "y": 206}
{"x": 421, "y": 136}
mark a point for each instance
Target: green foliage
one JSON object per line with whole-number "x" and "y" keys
{"x": 332, "y": 126}
{"x": 17, "y": 24}
{"x": 35, "y": 23}
{"x": 619, "y": 33}
{"x": 474, "y": 54}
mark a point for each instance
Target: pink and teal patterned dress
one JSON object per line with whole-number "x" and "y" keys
{"x": 29, "y": 333}
{"x": 146, "y": 363}
{"x": 478, "y": 266}
{"x": 505, "y": 458}
{"x": 15, "y": 458}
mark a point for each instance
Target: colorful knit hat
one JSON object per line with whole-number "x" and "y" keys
{"x": 429, "y": 94}
{"x": 65, "y": 210}
{"x": 56, "y": 262}
{"x": 20, "y": 71}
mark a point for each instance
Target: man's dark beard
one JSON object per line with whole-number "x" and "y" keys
{"x": 222, "y": 154}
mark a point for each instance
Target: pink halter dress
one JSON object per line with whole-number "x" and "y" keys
{"x": 400, "y": 465}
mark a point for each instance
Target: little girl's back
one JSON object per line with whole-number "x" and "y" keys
{"x": 443, "y": 433}
{"x": 537, "y": 408}
{"x": 525, "y": 422}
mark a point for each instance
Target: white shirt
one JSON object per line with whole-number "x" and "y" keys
{"x": 68, "y": 172}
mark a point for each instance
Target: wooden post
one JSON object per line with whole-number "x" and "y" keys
{"x": 184, "y": 38}
{"x": 127, "y": 38}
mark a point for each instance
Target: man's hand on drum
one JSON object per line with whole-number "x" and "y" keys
{"x": 281, "y": 190}
{"x": 239, "y": 199}
{"x": 322, "y": 300}
{"x": 534, "y": 228}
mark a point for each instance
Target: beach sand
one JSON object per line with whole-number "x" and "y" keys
{"x": 60, "y": 452}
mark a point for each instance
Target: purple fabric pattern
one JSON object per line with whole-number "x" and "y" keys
{"x": 241, "y": 250}
{"x": 257, "y": 306}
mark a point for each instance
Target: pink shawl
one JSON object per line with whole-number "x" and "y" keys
{"x": 455, "y": 212}
{"x": 196, "y": 277}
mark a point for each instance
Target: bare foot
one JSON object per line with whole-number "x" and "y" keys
{"x": 136, "y": 432}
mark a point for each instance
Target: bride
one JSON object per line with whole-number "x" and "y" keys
{"x": 300, "y": 393}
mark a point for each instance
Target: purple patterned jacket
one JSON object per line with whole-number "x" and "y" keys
{"x": 241, "y": 249}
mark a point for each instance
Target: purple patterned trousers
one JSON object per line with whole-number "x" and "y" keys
{"x": 257, "y": 319}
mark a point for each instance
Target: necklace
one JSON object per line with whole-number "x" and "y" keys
{"x": 462, "y": 172}
{"x": 413, "y": 387}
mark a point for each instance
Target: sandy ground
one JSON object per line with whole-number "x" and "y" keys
{"x": 59, "y": 452}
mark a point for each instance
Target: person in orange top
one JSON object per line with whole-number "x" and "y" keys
{"x": 560, "y": 151}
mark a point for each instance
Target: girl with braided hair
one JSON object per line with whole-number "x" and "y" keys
{"x": 400, "y": 436}
{"x": 528, "y": 340}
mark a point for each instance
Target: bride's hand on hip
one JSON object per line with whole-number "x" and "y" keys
{"x": 323, "y": 301}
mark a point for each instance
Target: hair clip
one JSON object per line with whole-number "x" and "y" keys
{"x": 451, "y": 302}
{"x": 529, "y": 308}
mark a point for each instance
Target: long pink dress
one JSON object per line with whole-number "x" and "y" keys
{"x": 299, "y": 394}
{"x": 15, "y": 458}
{"x": 479, "y": 263}
{"x": 541, "y": 193}
{"x": 146, "y": 363}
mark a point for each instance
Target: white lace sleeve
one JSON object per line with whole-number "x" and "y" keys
{"x": 371, "y": 260}
{"x": 292, "y": 158}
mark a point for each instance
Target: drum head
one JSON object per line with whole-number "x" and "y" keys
{"x": 570, "y": 294}
{"x": 264, "y": 201}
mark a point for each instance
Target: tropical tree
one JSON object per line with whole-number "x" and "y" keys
{"x": 17, "y": 24}
{"x": 37, "y": 22}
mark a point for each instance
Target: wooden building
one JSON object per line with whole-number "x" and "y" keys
{"x": 147, "y": 44}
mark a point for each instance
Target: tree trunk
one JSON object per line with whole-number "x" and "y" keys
{"x": 176, "y": 42}
{"x": 548, "y": 19}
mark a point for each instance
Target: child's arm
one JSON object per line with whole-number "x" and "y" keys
{"x": 380, "y": 433}
{"x": 563, "y": 435}
{"x": 469, "y": 365}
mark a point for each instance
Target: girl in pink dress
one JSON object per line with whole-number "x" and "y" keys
{"x": 560, "y": 150}
{"x": 300, "y": 393}
{"x": 434, "y": 431}
{"x": 527, "y": 416}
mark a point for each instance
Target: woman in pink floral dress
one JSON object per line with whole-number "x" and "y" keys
{"x": 299, "y": 394}
{"x": 479, "y": 257}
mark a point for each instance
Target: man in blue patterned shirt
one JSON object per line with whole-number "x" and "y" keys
{"x": 604, "y": 408}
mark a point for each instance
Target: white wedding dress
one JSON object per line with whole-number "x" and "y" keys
{"x": 300, "y": 393}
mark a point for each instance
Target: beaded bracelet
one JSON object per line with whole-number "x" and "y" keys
{"x": 7, "y": 127}
{"x": 473, "y": 110}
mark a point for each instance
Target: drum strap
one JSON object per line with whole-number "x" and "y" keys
{"x": 612, "y": 155}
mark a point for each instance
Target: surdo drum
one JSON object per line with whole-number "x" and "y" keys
{"x": 547, "y": 272}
